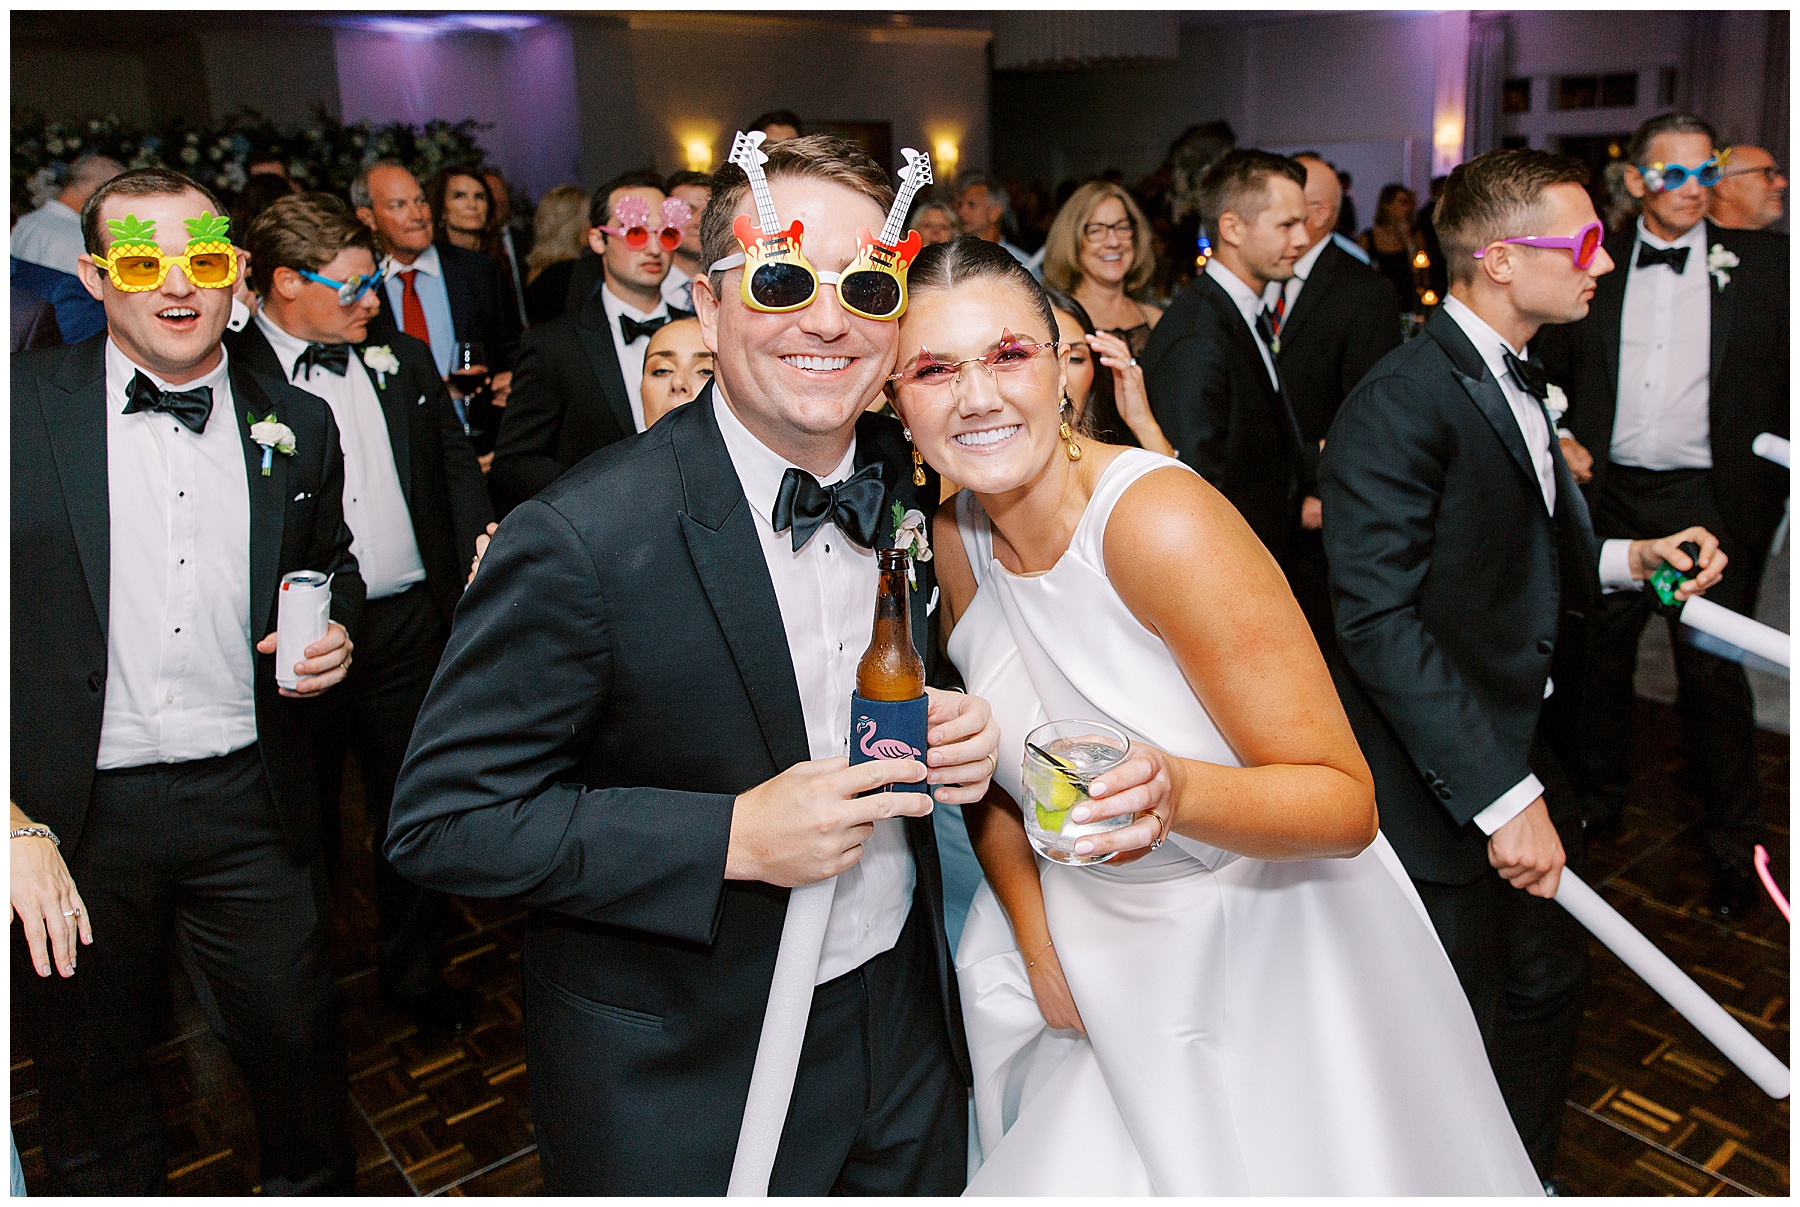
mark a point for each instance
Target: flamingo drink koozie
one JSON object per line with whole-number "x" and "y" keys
{"x": 889, "y": 729}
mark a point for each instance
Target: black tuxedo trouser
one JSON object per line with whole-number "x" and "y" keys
{"x": 879, "y": 1107}
{"x": 194, "y": 846}
{"x": 1522, "y": 962}
{"x": 1715, "y": 705}
{"x": 373, "y": 712}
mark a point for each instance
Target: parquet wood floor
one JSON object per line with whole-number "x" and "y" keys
{"x": 1654, "y": 1109}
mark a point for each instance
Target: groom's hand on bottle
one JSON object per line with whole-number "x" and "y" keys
{"x": 1528, "y": 852}
{"x": 809, "y": 823}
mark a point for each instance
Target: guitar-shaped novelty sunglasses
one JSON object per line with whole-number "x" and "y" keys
{"x": 777, "y": 275}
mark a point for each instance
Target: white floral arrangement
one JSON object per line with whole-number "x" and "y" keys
{"x": 381, "y": 359}
{"x": 909, "y": 535}
{"x": 274, "y": 436}
{"x": 1718, "y": 259}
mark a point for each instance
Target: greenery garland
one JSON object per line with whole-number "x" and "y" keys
{"x": 325, "y": 155}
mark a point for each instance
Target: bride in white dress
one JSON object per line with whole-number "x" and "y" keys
{"x": 1258, "y": 1005}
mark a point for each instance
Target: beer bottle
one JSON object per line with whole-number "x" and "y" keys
{"x": 888, "y": 709}
{"x": 1665, "y": 580}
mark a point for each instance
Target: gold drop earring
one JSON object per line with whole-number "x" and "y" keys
{"x": 1071, "y": 446}
{"x": 918, "y": 458}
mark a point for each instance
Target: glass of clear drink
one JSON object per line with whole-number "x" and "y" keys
{"x": 1061, "y": 759}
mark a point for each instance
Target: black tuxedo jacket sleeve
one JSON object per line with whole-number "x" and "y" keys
{"x": 1210, "y": 392}
{"x": 1447, "y": 578}
{"x": 481, "y": 306}
{"x": 1345, "y": 320}
{"x": 445, "y": 492}
{"x": 61, "y": 568}
{"x": 568, "y": 400}
{"x": 618, "y": 674}
{"x": 1749, "y": 373}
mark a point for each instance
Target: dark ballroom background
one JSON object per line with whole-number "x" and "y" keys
{"x": 1042, "y": 101}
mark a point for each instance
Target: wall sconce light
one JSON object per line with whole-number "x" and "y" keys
{"x": 944, "y": 156}
{"x": 1446, "y": 144}
{"x": 699, "y": 154}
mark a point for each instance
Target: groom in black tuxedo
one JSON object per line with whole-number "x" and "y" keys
{"x": 1457, "y": 539}
{"x": 636, "y": 729}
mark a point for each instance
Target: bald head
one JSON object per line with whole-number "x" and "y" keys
{"x": 1324, "y": 195}
{"x": 86, "y": 174}
{"x": 1749, "y": 195}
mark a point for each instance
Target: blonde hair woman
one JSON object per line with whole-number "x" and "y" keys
{"x": 1100, "y": 253}
{"x": 559, "y": 236}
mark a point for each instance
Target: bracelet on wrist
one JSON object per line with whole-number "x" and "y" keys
{"x": 1032, "y": 962}
{"x": 36, "y": 832}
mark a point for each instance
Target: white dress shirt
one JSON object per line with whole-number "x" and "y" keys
{"x": 381, "y": 529}
{"x": 180, "y": 683}
{"x": 1293, "y": 285}
{"x": 50, "y": 237}
{"x": 1665, "y": 357}
{"x": 1534, "y": 426}
{"x": 827, "y": 597}
{"x": 1249, "y": 304}
{"x": 434, "y": 297}
{"x": 678, "y": 288}
{"x": 631, "y": 356}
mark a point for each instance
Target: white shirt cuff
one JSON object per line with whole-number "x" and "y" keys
{"x": 1615, "y": 567}
{"x": 1511, "y": 803}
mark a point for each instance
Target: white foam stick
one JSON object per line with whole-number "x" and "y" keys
{"x": 1707, "y": 617}
{"x": 783, "y": 1032}
{"x": 1771, "y": 447}
{"x": 1676, "y": 987}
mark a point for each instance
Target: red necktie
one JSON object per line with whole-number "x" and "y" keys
{"x": 1280, "y": 307}
{"x": 412, "y": 310}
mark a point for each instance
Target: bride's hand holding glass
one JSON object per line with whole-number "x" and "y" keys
{"x": 1148, "y": 784}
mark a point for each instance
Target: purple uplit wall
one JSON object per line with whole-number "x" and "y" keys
{"x": 517, "y": 74}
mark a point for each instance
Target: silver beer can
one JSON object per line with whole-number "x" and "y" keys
{"x": 304, "y": 613}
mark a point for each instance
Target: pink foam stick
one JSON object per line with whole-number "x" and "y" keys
{"x": 1775, "y": 894}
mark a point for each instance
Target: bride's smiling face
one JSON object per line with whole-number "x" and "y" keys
{"x": 993, "y": 423}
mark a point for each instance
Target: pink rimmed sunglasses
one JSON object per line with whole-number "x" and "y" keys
{"x": 1581, "y": 246}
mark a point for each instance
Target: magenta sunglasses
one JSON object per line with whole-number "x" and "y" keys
{"x": 1581, "y": 245}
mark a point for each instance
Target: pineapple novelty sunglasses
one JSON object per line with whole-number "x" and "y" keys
{"x": 138, "y": 265}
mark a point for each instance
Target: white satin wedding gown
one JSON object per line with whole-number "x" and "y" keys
{"x": 1252, "y": 1027}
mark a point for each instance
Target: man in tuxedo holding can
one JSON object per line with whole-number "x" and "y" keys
{"x": 161, "y": 779}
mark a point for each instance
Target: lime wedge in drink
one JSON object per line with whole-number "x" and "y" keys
{"x": 1063, "y": 797}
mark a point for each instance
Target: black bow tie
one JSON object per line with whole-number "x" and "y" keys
{"x": 1674, "y": 257}
{"x": 633, "y": 330}
{"x": 1529, "y": 377}
{"x": 333, "y": 358}
{"x": 854, "y": 505}
{"x": 190, "y": 407}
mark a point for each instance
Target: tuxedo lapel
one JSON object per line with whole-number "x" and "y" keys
{"x": 1472, "y": 374}
{"x": 268, "y": 496}
{"x": 603, "y": 358}
{"x": 1722, "y": 303}
{"x": 75, "y": 416}
{"x": 727, "y": 554}
{"x": 1313, "y": 294}
{"x": 397, "y": 408}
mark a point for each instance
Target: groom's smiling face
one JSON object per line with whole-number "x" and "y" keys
{"x": 810, "y": 372}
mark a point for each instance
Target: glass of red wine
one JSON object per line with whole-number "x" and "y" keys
{"x": 468, "y": 367}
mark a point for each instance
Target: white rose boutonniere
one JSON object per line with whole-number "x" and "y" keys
{"x": 909, "y": 534}
{"x": 381, "y": 360}
{"x": 1556, "y": 402}
{"x": 1718, "y": 259}
{"x": 274, "y": 436}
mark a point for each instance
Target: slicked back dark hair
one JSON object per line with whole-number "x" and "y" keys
{"x": 1239, "y": 184}
{"x": 1665, "y": 123}
{"x": 141, "y": 182}
{"x": 968, "y": 258}
{"x": 1499, "y": 195}
{"x": 600, "y": 208}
